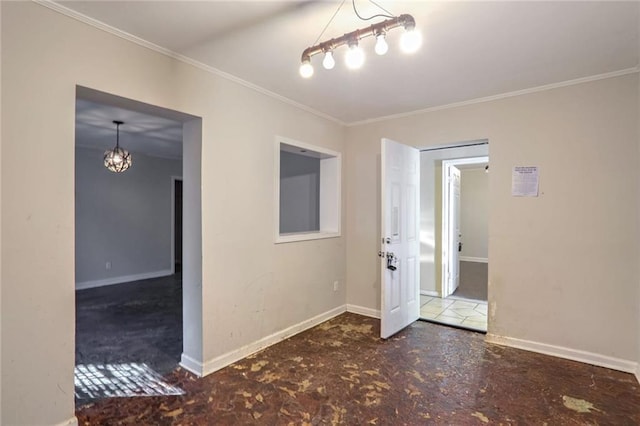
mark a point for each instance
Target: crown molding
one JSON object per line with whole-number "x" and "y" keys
{"x": 212, "y": 70}
{"x": 543, "y": 88}
{"x": 50, "y": 4}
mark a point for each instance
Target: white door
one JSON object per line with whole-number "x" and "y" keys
{"x": 400, "y": 269}
{"x": 454, "y": 237}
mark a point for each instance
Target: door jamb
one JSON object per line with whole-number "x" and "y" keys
{"x": 173, "y": 221}
{"x": 446, "y": 258}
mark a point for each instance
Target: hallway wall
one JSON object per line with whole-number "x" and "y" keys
{"x": 122, "y": 218}
{"x": 474, "y": 213}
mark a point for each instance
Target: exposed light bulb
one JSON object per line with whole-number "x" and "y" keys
{"x": 328, "y": 62}
{"x": 381, "y": 44}
{"x": 306, "y": 69}
{"x": 354, "y": 57}
{"x": 410, "y": 41}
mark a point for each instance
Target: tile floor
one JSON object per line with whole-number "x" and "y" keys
{"x": 465, "y": 313}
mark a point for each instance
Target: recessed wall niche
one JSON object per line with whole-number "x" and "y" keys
{"x": 307, "y": 195}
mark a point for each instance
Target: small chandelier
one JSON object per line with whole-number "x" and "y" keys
{"x": 117, "y": 159}
{"x": 354, "y": 58}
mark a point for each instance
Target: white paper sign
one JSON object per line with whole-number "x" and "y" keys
{"x": 524, "y": 181}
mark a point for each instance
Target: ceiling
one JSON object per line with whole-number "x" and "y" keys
{"x": 471, "y": 50}
{"x": 140, "y": 134}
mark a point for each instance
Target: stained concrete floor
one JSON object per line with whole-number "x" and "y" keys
{"x": 340, "y": 372}
{"x": 137, "y": 322}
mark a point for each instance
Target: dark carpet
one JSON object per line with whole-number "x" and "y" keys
{"x": 473, "y": 281}
{"x": 137, "y": 322}
{"x": 341, "y": 372}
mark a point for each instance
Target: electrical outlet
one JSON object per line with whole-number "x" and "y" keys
{"x": 335, "y": 286}
{"x": 107, "y": 265}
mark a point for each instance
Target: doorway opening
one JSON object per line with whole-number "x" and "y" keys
{"x": 454, "y": 235}
{"x": 176, "y": 224}
{"x": 136, "y": 288}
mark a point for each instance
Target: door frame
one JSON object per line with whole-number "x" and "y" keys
{"x": 446, "y": 206}
{"x": 174, "y": 179}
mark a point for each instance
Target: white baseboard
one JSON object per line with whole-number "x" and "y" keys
{"x": 638, "y": 373}
{"x": 566, "y": 353}
{"x": 123, "y": 279}
{"x": 73, "y": 421}
{"x": 191, "y": 364}
{"x": 361, "y": 310}
{"x": 215, "y": 364}
{"x": 429, "y": 293}
{"x": 474, "y": 259}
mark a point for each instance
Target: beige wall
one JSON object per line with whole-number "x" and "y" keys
{"x": 638, "y": 234}
{"x": 1, "y": 329}
{"x": 474, "y": 213}
{"x": 564, "y": 267}
{"x": 251, "y": 287}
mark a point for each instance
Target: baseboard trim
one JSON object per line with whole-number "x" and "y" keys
{"x": 429, "y": 293}
{"x": 73, "y": 421}
{"x": 219, "y": 362}
{"x": 566, "y": 353}
{"x": 474, "y": 259}
{"x": 361, "y": 310}
{"x": 190, "y": 364}
{"x": 122, "y": 279}
{"x": 638, "y": 373}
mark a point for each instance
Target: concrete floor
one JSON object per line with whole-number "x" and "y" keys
{"x": 341, "y": 372}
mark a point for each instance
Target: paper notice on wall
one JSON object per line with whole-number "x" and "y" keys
{"x": 524, "y": 181}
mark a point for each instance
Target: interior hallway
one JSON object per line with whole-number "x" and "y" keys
{"x": 341, "y": 372}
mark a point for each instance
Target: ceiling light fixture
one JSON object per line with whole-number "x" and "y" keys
{"x": 328, "y": 62}
{"x": 306, "y": 69}
{"x": 381, "y": 44}
{"x": 354, "y": 58}
{"x": 117, "y": 159}
{"x": 410, "y": 41}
